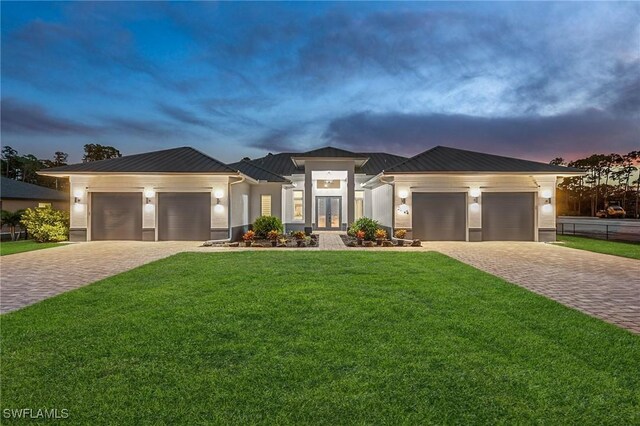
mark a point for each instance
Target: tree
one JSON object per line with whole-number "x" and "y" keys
{"x": 11, "y": 219}
{"x": 10, "y": 163}
{"x": 59, "y": 159}
{"x": 96, "y": 152}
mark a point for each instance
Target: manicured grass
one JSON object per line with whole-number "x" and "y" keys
{"x": 615, "y": 248}
{"x": 12, "y": 247}
{"x": 317, "y": 337}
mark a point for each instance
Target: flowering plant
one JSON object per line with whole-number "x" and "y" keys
{"x": 381, "y": 234}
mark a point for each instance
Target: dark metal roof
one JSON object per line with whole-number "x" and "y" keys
{"x": 444, "y": 159}
{"x": 257, "y": 172}
{"x": 175, "y": 160}
{"x": 15, "y": 189}
{"x": 280, "y": 164}
{"x": 283, "y": 165}
{"x": 379, "y": 161}
{"x": 327, "y": 151}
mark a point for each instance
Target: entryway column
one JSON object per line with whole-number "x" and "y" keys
{"x": 351, "y": 196}
{"x": 308, "y": 201}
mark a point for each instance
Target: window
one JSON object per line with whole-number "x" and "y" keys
{"x": 41, "y": 205}
{"x": 298, "y": 205}
{"x": 328, "y": 184}
{"x": 265, "y": 205}
{"x": 359, "y": 205}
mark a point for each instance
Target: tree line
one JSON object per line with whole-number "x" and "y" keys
{"x": 25, "y": 167}
{"x": 610, "y": 179}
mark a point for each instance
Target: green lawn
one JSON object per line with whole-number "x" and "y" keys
{"x": 316, "y": 337}
{"x": 616, "y": 248}
{"x": 12, "y": 247}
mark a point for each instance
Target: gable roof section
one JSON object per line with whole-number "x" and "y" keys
{"x": 175, "y": 160}
{"x": 15, "y": 189}
{"x": 327, "y": 152}
{"x": 443, "y": 159}
{"x": 257, "y": 172}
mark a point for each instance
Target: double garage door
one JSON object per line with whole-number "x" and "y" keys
{"x": 442, "y": 216}
{"x": 182, "y": 216}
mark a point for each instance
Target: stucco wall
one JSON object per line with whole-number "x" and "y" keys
{"x": 83, "y": 186}
{"x": 14, "y": 205}
{"x": 273, "y": 189}
{"x": 382, "y": 205}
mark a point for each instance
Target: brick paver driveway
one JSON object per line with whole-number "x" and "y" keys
{"x": 27, "y": 278}
{"x": 607, "y": 287}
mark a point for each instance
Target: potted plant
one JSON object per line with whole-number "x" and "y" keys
{"x": 400, "y": 234}
{"x": 299, "y": 236}
{"x": 381, "y": 234}
{"x": 360, "y": 236}
{"x": 273, "y": 236}
{"x": 248, "y": 238}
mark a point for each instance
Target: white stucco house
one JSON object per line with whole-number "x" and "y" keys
{"x": 440, "y": 194}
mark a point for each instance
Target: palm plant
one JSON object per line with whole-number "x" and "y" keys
{"x": 11, "y": 219}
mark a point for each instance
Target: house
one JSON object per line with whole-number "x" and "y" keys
{"x": 16, "y": 195}
{"x": 440, "y": 194}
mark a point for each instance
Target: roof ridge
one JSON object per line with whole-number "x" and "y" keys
{"x": 411, "y": 158}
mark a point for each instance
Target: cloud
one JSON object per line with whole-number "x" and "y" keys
{"x": 24, "y": 118}
{"x": 183, "y": 115}
{"x": 536, "y": 137}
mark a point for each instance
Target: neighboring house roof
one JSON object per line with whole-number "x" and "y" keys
{"x": 15, "y": 189}
{"x": 176, "y": 160}
{"x": 444, "y": 159}
{"x": 256, "y": 172}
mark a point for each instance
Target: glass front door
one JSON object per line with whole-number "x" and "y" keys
{"x": 328, "y": 212}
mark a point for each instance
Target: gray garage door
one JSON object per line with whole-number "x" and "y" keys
{"x": 184, "y": 216}
{"x": 439, "y": 216}
{"x": 116, "y": 216}
{"x": 508, "y": 216}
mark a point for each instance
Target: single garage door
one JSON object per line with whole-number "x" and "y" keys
{"x": 116, "y": 216}
{"x": 508, "y": 216}
{"x": 184, "y": 216}
{"x": 439, "y": 216}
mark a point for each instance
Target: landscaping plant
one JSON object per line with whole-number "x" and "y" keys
{"x": 369, "y": 226}
{"x": 46, "y": 224}
{"x": 264, "y": 224}
{"x": 360, "y": 236}
{"x": 400, "y": 234}
{"x": 273, "y": 236}
{"x": 11, "y": 219}
{"x": 248, "y": 237}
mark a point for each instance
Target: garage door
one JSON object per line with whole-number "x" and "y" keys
{"x": 116, "y": 216}
{"x": 439, "y": 216}
{"x": 184, "y": 216}
{"x": 508, "y": 216}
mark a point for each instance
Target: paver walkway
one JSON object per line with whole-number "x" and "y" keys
{"x": 601, "y": 285}
{"x": 27, "y": 278}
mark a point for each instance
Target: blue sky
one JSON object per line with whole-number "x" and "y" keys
{"x": 533, "y": 80}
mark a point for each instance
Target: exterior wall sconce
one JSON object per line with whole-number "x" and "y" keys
{"x": 546, "y": 194}
{"x": 219, "y": 208}
{"x": 475, "y": 194}
{"x": 148, "y": 195}
{"x": 77, "y": 196}
{"x": 403, "y": 208}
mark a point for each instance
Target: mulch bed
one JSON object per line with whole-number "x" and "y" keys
{"x": 350, "y": 241}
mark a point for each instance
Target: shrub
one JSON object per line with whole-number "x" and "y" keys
{"x": 381, "y": 234}
{"x": 369, "y": 226}
{"x": 45, "y": 224}
{"x": 249, "y": 236}
{"x": 298, "y": 235}
{"x": 401, "y": 233}
{"x": 360, "y": 235}
{"x": 264, "y": 224}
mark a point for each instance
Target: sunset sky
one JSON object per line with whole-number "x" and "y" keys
{"x": 532, "y": 80}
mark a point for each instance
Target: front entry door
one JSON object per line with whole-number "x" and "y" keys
{"x": 328, "y": 212}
